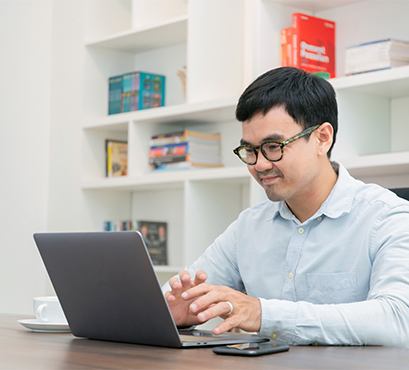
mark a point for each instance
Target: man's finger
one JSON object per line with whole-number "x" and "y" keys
{"x": 174, "y": 283}
{"x": 221, "y": 309}
{"x": 184, "y": 277}
{"x": 200, "y": 277}
{"x": 170, "y": 297}
{"x": 203, "y": 289}
{"x": 226, "y": 325}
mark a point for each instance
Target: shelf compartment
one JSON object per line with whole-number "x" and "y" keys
{"x": 391, "y": 83}
{"x": 163, "y": 34}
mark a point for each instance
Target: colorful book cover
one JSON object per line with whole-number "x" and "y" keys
{"x": 286, "y": 47}
{"x": 115, "y": 95}
{"x": 152, "y": 90}
{"x": 135, "y": 91}
{"x": 185, "y": 148}
{"x": 116, "y": 158}
{"x": 155, "y": 236}
{"x": 168, "y": 159}
{"x": 313, "y": 45}
{"x": 170, "y": 149}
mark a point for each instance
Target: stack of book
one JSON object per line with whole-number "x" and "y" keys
{"x": 184, "y": 150}
{"x": 309, "y": 45}
{"x": 376, "y": 55}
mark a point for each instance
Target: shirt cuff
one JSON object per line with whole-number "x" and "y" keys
{"x": 278, "y": 320}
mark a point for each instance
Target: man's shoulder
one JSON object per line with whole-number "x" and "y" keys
{"x": 263, "y": 210}
{"x": 377, "y": 195}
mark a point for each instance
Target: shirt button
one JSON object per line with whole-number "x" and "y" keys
{"x": 301, "y": 230}
{"x": 319, "y": 218}
{"x": 274, "y": 335}
{"x": 290, "y": 275}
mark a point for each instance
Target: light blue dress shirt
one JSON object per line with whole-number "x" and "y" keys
{"x": 339, "y": 278}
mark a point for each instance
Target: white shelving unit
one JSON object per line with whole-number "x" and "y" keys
{"x": 225, "y": 45}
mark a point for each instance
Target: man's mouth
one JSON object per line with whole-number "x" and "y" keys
{"x": 269, "y": 178}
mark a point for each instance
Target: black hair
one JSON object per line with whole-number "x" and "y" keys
{"x": 309, "y": 99}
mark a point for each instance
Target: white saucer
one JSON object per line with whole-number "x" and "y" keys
{"x": 45, "y": 327}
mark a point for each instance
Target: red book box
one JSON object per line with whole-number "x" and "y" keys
{"x": 309, "y": 45}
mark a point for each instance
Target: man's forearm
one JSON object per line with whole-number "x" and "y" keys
{"x": 372, "y": 322}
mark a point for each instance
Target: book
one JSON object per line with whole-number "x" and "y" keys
{"x": 286, "y": 47}
{"x": 309, "y": 45}
{"x": 155, "y": 236}
{"x": 116, "y": 158}
{"x": 185, "y": 135}
{"x": 115, "y": 93}
{"x": 376, "y": 55}
{"x": 185, "y": 165}
{"x": 184, "y": 148}
{"x": 168, "y": 159}
{"x": 182, "y": 139}
{"x": 119, "y": 225}
{"x": 135, "y": 91}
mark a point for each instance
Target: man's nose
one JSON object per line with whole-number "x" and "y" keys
{"x": 263, "y": 163}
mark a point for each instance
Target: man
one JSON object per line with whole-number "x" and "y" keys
{"x": 326, "y": 259}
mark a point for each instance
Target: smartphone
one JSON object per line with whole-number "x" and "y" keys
{"x": 252, "y": 349}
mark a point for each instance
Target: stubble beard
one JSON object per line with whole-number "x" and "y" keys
{"x": 271, "y": 189}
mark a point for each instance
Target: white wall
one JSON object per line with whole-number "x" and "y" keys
{"x": 41, "y": 82}
{"x": 66, "y": 108}
{"x": 25, "y": 39}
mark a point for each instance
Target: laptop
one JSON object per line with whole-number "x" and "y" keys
{"x": 108, "y": 289}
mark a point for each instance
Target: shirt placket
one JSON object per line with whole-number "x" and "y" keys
{"x": 293, "y": 255}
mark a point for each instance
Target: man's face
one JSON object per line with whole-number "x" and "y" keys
{"x": 291, "y": 178}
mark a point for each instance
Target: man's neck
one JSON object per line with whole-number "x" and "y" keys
{"x": 310, "y": 202}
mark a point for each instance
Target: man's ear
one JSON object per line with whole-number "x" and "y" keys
{"x": 324, "y": 135}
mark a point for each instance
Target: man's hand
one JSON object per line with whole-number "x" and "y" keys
{"x": 180, "y": 307}
{"x": 209, "y": 301}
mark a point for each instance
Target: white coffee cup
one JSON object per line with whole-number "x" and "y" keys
{"x": 48, "y": 309}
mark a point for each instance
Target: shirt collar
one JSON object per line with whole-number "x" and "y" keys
{"x": 338, "y": 203}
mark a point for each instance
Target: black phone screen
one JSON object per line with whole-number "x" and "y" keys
{"x": 252, "y": 349}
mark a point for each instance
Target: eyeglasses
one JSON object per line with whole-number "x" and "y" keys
{"x": 271, "y": 150}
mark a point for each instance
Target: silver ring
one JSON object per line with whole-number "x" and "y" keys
{"x": 231, "y": 308}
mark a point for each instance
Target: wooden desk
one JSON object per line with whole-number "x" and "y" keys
{"x": 23, "y": 349}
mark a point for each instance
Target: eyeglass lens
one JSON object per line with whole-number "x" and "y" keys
{"x": 270, "y": 150}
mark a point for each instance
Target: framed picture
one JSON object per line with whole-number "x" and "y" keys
{"x": 155, "y": 235}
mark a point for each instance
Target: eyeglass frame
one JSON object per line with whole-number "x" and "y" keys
{"x": 281, "y": 144}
